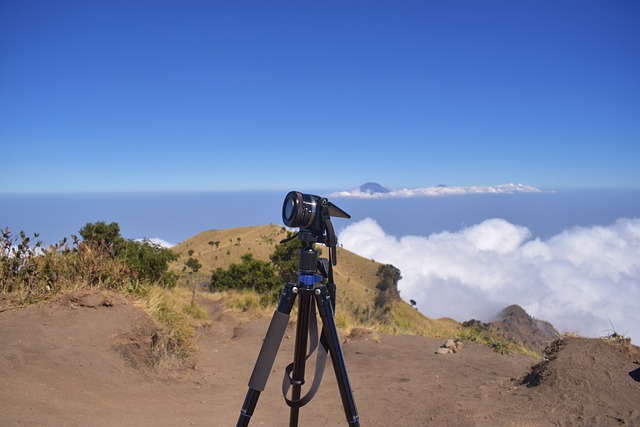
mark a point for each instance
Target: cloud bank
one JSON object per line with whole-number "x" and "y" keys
{"x": 440, "y": 190}
{"x": 582, "y": 280}
{"x": 157, "y": 241}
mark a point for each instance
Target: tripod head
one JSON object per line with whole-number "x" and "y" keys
{"x": 313, "y": 215}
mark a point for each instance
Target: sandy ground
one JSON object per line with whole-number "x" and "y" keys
{"x": 84, "y": 360}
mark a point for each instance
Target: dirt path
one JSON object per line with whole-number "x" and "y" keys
{"x": 85, "y": 361}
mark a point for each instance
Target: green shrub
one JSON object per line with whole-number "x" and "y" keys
{"x": 249, "y": 274}
{"x": 148, "y": 261}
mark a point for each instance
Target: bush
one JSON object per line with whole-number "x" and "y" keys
{"x": 149, "y": 261}
{"x": 103, "y": 259}
{"x": 146, "y": 260}
{"x": 259, "y": 276}
{"x": 18, "y": 262}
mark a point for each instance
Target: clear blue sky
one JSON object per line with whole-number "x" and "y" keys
{"x": 110, "y": 95}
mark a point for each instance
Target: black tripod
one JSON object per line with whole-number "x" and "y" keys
{"x": 308, "y": 289}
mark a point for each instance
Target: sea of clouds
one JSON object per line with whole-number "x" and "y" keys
{"x": 439, "y": 190}
{"x": 584, "y": 280}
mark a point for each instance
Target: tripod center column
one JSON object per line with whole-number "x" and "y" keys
{"x": 308, "y": 262}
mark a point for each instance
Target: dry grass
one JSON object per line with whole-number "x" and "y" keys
{"x": 248, "y": 303}
{"x": 220, "y": 248}
{"x": 177, "y": 315}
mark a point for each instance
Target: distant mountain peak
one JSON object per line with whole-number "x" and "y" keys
{"x": 373, "y": 187}
{"x": 514, "y": 310}
{"x": 516, "y": 324}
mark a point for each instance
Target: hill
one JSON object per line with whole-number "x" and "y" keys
{"x": 356, "y": 278}
{"x": 220, "y": 248}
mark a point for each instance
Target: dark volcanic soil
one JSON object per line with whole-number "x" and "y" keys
{"x": 84, "y": 359}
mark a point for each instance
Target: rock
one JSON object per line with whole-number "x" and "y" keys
{"x": 450, "y": 346}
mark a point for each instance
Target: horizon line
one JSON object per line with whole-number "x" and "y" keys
{"x": 331, "y": 191}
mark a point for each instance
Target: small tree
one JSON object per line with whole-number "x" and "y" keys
{"x": 101, "y": 234}
{"x": 388, "y": 277}
{"x": 192, "y": 265}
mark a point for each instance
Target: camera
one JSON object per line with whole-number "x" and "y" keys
{"x": 313, "y": 215}
{"x": 309, "y": 211}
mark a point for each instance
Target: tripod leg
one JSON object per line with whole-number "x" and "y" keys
{"x": 330, "y": 333}
{"x": 300, "y": 353}
{"x": 267, "y": 355}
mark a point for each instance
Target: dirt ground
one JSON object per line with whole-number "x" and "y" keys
{"x": 84, "y": 360}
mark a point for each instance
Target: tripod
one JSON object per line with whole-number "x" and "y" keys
{"x": 308, "y": 289}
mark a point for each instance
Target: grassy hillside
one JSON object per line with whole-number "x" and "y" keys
{"x": 220, "y": 248}
{"x": 355, "y": 278}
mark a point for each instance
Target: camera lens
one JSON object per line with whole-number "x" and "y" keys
{"x": 288, "y": 209}
{"x": 298, "y": 209}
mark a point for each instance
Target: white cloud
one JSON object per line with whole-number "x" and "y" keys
{"x": 157, "y": 241}
{"x": 441, "y": 190}
{"x": 581, "y": 280}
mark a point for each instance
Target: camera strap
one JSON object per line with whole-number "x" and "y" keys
{"x": 321, "y": 361}
{"x": 290, "y": 238}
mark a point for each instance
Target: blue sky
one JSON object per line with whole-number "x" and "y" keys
{"x": 218, "y": 95}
